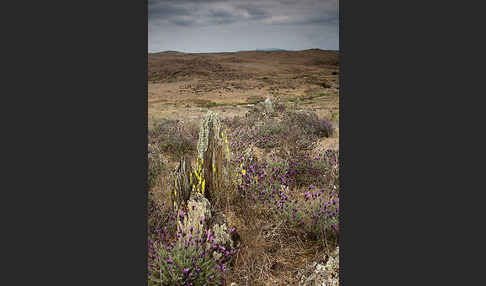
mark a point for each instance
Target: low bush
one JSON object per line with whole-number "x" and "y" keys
{"x": 182, "y": 259}
{"x": 317, "y": 212}
{"x": 321, "y": 169}
{"x": 309, "y": 123}
{"x": 155, "y": 164}
{"x": 174, "y": 137}
{"x": 268, "y": 186}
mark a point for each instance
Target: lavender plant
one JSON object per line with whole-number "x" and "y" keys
{"x": 317, "y": 212}
{"x": 185, "y": 259}
{"x": 269, "y": 186}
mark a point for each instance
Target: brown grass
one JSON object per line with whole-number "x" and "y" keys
{"x": 271, "y": 253}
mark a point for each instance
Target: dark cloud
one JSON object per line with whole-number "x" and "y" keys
{"x": 219, "y": 23}
{"x": 181, "y": 21}
{"x": 159, "y": 11}
{"x": 221, "y": 17}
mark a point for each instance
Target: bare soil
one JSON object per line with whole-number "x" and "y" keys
{"x": 185, "y": 86}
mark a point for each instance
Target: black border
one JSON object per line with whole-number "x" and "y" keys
{"x": 76, "y": 90}
{"x": 76, "y": 107}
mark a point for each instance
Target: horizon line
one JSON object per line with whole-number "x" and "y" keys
{"x": 236, "y": 51}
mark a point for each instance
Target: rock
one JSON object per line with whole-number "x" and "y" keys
{"x": 322, "y": 275}
{"x": 194, "y": 208}
{"x": 198, "y": 207}
{"x": 210, "y": 125}
{"x": 268, "y": 106}
{"x": 220, "y": 231}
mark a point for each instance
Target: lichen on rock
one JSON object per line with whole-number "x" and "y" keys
{"x": 197, "y": 216}
{"x": 210, "y": 122}
{"x": 322, "y": 274}
{"x": 269, "y": 106}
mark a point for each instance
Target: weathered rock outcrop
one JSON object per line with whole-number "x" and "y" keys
{"x": 322, "y": 274}
{"x": 194, "y": 207}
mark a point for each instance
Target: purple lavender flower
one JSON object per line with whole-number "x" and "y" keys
{"x": 307, "y": 196}
{"x": 169, "y": 260}
{"x": 186, "y": 270}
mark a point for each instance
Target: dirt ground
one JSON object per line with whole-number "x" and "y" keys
{"x": 186, "y": 86}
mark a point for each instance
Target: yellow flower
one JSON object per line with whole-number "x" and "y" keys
{"x": 226, "y": 140}
{"x": 243, "y": 172}
{"x": 203, "y": 183}
{"x": 175, "y": 193}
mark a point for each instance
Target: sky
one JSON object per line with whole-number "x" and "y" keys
{"x": 202, "y": 26}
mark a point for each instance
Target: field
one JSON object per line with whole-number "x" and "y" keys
{"x": 281, "y": 177}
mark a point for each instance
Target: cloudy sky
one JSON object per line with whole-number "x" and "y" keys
{"x": 231, "y": 25}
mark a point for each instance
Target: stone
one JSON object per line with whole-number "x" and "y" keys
{"x": 269, "y": 106}
{"x": 210, "y": 124}
{"x": 322, "y": 275}
{"x": 198, "y": 207}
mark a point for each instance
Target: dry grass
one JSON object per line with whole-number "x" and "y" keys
{"x": 271, "y": 253}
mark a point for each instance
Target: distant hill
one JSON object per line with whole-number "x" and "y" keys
{"x": 265, "y": 50}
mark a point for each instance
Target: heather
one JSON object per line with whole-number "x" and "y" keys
{"x": 173, "y": 137}
{"x": 271, "y": 180}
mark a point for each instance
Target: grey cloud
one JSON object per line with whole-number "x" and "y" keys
{"x": 221, "y": 17}
{"x": 159, "y": 11}
{"x": 202, "y": 25}
{"x": 182, "y": 21}
{"x": 254, "y": 12}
